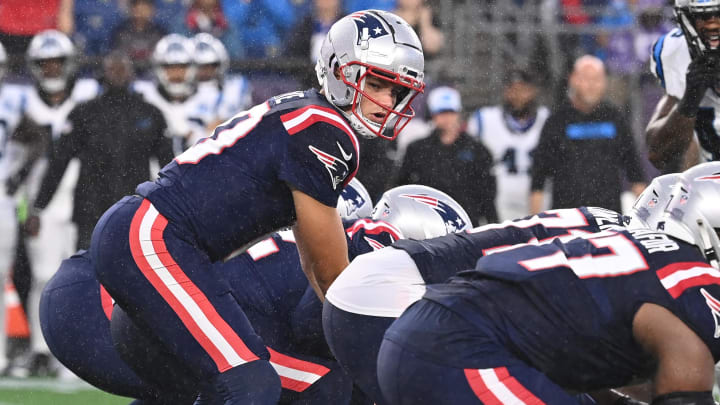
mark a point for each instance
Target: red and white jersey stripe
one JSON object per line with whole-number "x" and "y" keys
{"x": 302, "y": 118}
{"x": 495, "y": 386}
{"x": 295, "y": 374}
{"x": 678, "y": 277}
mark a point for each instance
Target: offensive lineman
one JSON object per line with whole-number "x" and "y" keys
{"x": 600, "y": 311}
{"x": 280, "y": 163}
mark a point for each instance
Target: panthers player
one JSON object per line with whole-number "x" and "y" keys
{"x": 227, "y": 93}
{"x": 686, "y": 61}
{"x": 52, "y": 62}
{"x": 511, "y": 132}
{"x": 603, "y": 310}
{"x": 283, "y": 162}
{"x": 273, "y": 292}
{"x": 174, "y": 91}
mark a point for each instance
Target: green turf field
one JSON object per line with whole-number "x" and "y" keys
{"x": 43, "y": 391}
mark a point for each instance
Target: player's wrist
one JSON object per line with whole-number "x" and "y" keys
{"x": 688, "y": 107}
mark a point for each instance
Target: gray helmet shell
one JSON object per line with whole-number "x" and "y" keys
{"x": 693, "y": 213}
{"x": 210, "y": 50}
{"x": 175, "y": 49}
{"x": 421, "y": 212}
{"x": 370, "y": 39}
{"x": 51, "y": 44}
{"x": 649, "y": 206}
{"x": 355, "y": 201}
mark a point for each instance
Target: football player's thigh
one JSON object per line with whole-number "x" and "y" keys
{"x": 413, "y": 379}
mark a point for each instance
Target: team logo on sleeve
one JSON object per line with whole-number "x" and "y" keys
{"x": 374, "y": 27}
{"x": 336, "y": 167}
{"x": 453, "y": 221}
{"x": 714, "y": 305}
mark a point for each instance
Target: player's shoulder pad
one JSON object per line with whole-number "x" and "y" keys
{"x": 85, "y": 89}
{"x": 669, "y": 54}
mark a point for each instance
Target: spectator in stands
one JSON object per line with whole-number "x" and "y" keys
{"x": 421, "y": 17}
{"x": 450, "y": 160}
{"x": 585, "y": 146}
{"x": 94, "y": 23}
{"x": 511, "y": 131}
{"x": 206, "y": 16}
{"x": 261, "y": 25}
{"x": 307, "y": 36}
{"x": 20, "y": 20}
{"x": 138, "y": 35}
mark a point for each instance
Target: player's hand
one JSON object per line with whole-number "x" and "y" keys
{"x": 701, "y": 75}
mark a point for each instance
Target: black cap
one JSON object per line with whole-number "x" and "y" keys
{"x": 520, "y": 75}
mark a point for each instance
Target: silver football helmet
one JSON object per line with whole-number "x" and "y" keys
{"x": 371, "y": 43}
{"x": 175, "y": 50}
{"x": 421, "y": 212}
{"x": 693, "y": 213}
{"x": 650, "y": 205}
{"x": 210, "y": 52}
{"x": 51, "y": 57}
{"x": 355, "y": 201}
{"x": 686, "y": 12}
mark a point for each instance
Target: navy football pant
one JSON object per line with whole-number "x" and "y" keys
{"x": 409, "y": 374}
{"x": 169, "y": 288}
{"x": 77, "y": 330}
{"x": 355, "y": 341}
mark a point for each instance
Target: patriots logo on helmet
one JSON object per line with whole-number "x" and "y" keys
{"x": 453, "y": 221}
{"x": 336, "y": 167}
{"x": 374, "y": 26}
{"x": 714, "y": 306}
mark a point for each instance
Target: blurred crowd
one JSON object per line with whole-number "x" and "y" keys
{"x": 107, "y": 82}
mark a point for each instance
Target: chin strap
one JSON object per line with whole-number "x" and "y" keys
{"x": 709, "y": 252}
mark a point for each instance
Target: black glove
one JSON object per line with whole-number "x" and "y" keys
{"x": 701, "y": 75}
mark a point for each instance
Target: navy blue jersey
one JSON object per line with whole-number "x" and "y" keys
{"x": 566, "y": 308}
{"x": 235, "y": 186}
{"x": 439, "y": 258}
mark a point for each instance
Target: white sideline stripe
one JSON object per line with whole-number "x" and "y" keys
{"x": 45, "y": 385}
{"x": 295, "y": 374}
{"x": 673, "y": 279}
{"x": 498, "y": 388}
{"x": 197, "y": 315}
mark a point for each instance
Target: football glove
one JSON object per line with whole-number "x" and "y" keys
{"x": 701, "y": 75}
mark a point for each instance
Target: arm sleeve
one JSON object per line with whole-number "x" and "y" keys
{"x": 542, "y": 156}
{"x": 162, "y": 148}
{"x": 62, "y": 151}
{"x": 315, "y": 162}
{"x": 630, "y": 157}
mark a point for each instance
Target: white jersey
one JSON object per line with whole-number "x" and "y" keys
{"x": 236, "y": 96}
{"x": 11, "y": 109}
{"x": 187, "y": 121}
{"x": 669, "y": 63}
{"x": 512, "y": 154}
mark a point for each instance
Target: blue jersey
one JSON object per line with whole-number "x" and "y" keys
{"x": 235, "y": 186}
{"x": 566, "y": 308}
{"x": 439, "y": 258}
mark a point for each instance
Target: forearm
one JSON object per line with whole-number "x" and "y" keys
{"x": 669, "y": 137}
{"x": 536, "y": 201}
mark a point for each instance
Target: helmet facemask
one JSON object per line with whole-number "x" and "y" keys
{"x": 397, "y": 116}
{"x": 687, "y": 16}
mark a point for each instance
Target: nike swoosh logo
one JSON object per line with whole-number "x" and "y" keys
{"x": 346, "y": 156}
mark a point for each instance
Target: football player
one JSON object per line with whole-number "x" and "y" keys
{"x": 283, "y": 162}
{"x": 56, "y": 90}
{"x": 174, "y": 91}
{"x": 228, "y": 93}
{"x": 511, "y": 132}
{"x": 686, "y": 61}
{"x": 267, "y": 281}
{"x": 603, "y": 310}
